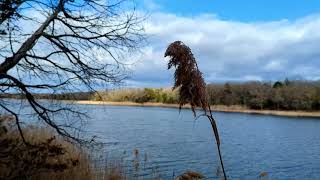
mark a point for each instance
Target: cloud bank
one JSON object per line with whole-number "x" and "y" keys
{"x": 230, "y": 50}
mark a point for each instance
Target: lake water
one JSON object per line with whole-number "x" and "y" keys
{"x": 283, "y": 147}
{"x": 173, "y": 142}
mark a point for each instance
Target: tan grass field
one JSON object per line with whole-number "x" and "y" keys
{"x": 218, "y": 108}
{"x": 84, "y": 169}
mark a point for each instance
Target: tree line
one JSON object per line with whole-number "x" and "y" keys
{"x": 286, "y": 95}
{"x": 280, "y": 95}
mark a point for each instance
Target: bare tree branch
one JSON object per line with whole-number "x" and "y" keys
{"x": 63, "y": 45}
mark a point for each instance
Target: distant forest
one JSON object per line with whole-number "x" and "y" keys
{"x": 287, "y": 95}
{"x": 281, "y": 95}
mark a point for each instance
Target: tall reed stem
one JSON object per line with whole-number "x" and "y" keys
{"x": 216, "y": 133}
{"x": 191, "y": 83}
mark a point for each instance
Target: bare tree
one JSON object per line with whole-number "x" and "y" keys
{"x": 63, "y": 45}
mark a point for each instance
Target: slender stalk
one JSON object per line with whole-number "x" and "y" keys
{"x": 191, "y": 83}
{"x": 216, "y": 133}
{"x": 221, "y": 162}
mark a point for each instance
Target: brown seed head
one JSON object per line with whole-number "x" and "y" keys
{"x": 187, "y": 76}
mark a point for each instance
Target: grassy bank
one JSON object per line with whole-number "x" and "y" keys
{"x": 218, "y": 108}
{"x": 51, "y": 157}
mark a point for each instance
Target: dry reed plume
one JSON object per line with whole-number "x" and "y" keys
{"x": 192, "y": 86}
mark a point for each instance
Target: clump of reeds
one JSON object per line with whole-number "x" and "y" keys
{"x": 50, "y": 157}
{"x": 190, "y": 175}
{"x": 47, "y": 157}
{"x": 189, "y": 79}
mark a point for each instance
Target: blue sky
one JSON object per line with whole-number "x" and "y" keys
{"x": 238, "y": 10}
{"x": 233, "y": 41}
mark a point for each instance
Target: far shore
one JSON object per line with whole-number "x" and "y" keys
{"x": 217, "y": 108}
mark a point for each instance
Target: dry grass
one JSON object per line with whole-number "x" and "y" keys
{"x": 141, "y": 95}
{"x": 19, "y": 161}
{"x": 74, "y": 162}
{"x": 220, "y": 108}
{"x": 190, "y": 175}
{"x": 82, "y": 171}
{"x": 85, "y": 167}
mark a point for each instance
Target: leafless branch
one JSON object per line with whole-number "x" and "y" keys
{"x": 59, "y": 45}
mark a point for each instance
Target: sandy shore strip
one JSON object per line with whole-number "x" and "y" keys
{"x": 218, "y": 108}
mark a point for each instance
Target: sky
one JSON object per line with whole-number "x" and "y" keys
{"x": 233, "y": 41}
{"x": 237, "y": 10}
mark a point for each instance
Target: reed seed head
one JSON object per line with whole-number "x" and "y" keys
{"x": 187, "y": 76}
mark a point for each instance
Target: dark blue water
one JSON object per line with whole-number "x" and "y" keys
{"x": 283, "y": 147}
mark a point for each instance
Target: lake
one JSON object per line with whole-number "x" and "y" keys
{"x": 171, "y": 143}
{"x": 283, "y": 147}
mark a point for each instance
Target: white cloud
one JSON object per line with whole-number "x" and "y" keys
{"x": 274, "y": 65}
{"x": 252, "y": 78}
{"x": 151, "y": 5}
{"x": 229, "y": 50}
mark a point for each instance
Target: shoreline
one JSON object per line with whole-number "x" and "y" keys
{"x": 215, "y": 108}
